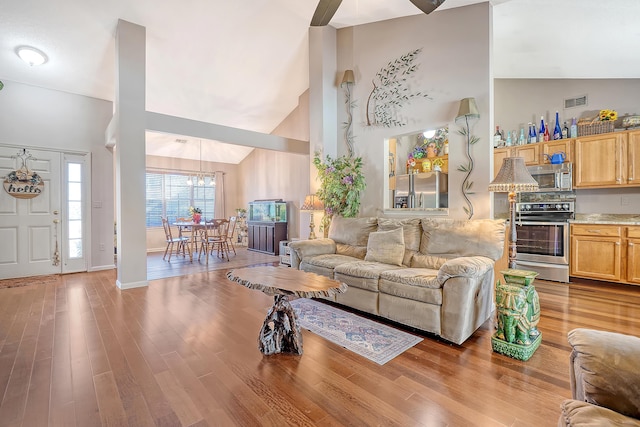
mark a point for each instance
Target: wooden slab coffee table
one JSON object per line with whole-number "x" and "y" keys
{"x": 280, "y": 332}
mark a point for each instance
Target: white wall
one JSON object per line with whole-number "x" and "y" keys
{"x": 33, "y": 117}
{"x": 455, "y": 63}
{"x": 518, "y": 101}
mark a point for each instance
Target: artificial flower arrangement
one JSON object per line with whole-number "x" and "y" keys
{"x": 606, "y": 115}
{"x": 424, "y": 145}
{"x": 194, "y": 210}
{"x": 341, "y": 185}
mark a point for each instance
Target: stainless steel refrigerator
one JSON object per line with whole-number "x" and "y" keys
{"x": 426, "y": 190}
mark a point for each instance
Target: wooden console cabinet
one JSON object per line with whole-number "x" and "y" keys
{"x": 265, "y": 236}
{"x": 606, "y": 252}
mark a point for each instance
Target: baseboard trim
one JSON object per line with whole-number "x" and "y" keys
{"x": 102, "y": 267}
{"x": 132, "y": 285}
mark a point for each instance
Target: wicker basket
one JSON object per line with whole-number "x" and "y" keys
{"x": 595, "y": 127}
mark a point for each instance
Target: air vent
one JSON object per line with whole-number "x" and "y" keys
{"x": 181, "y": 141}
{"x": 575, "y": 102}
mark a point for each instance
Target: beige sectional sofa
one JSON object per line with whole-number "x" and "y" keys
{"x": 433, "y": 274}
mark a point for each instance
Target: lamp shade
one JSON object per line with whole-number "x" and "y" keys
{"x": 468, "y": 109}
{"x": 513, "y": 177}
{"x": 312, "y": 203}
{"x": 348, "y": 78}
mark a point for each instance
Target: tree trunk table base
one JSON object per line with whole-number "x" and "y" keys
{"x": 280, "y": 332}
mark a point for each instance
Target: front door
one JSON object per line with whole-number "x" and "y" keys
{"x": 30, "y": 229}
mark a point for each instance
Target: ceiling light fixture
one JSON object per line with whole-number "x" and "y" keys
{"x": 31, "y": 55}
{"x": 200, "y": 176}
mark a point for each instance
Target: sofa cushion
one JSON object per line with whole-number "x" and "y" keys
{"x": 352, "y": 231}
{"x": 419, "y": 260}
{"x": 362, "y": 274}
{"x": 418, "y": 284}
{"x": 386, "y": 247}
{"x": 443, "y": 237}
{"x": 329, "y": 260}
{"x": 352, "y": 251}
{"x": 578, "y": 413}
{"x": 412, "y": 232}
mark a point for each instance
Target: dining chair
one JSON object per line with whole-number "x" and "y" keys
{"x": 180, "y": 241}
{"x": 232, "y": 228}
{"x": 214, "y": 238}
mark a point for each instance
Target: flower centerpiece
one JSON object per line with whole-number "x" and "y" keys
{"x": 606, "y": 115}
{"x": 196, "y": 214}
{"x": 428, "y": 147}
{"x": 341, "y": 184}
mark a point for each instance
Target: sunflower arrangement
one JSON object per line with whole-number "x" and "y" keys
{"x": 608, "y": 115}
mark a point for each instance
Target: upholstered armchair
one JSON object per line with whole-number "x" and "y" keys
{"x": 605, "y": 380}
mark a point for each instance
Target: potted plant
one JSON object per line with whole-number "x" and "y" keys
{"x": 196, "y": 214}
{"x": 341, "y": 185}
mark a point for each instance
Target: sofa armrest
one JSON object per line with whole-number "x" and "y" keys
{"x": 604, "y": 369}
{"x": 301, "y": 249}
{"x": 467, "y": 296}
{"x": 473, "y": 266}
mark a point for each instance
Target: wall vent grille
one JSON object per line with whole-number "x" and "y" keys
{"x": 579, "y": 101}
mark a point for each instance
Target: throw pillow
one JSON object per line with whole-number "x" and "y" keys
{"x": 386, "y": 247}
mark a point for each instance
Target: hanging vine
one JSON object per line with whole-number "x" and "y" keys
{"x": 391, "y": 91}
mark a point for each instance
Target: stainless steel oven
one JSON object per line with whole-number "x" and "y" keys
{"x": 542, "y": 228}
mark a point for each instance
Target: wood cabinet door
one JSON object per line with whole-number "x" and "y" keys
{"x": 560, "y": 146}
{"x": 595, "y": 257}
{"x": 633, "y": 261}
{"x": 499, "y": 154}
{"x": 599, "y": 160}
{"x": 530, "y": 152}
{"x": 633, "y": 158}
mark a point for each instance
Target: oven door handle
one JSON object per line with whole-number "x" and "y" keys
{"x": 542, "y": 222}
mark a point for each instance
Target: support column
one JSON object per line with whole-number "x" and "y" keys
{"x": 130, "y": 155}
{"x": 323, "y": 100}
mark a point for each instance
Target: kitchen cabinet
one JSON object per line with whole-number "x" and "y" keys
{"x": 534, "y": 154}
{"x": 633, "y": 255}
{"x": 530, "y": 153}
{"x": 607, "y": 160}
{"x": 558, "y": 146}
{"x": 605, "y": 252}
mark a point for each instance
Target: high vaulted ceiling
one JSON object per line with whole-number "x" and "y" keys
{"x": 244, "y": 63}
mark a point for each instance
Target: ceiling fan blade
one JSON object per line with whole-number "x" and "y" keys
{"x": 427, "y": 6}
{"x": 324, "y": 12}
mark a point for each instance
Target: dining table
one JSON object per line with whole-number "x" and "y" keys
{"x": 194, "y": 227}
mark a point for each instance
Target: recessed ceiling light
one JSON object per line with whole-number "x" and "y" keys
{"x": 31, "y": 55}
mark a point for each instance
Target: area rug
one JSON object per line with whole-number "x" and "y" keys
{"x": 375, "y": 341}
{"x": 26, "y": 281}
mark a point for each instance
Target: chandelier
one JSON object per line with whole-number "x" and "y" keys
{"x": 200, "y": 177}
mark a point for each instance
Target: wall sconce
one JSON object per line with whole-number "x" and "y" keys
{"x": 348, "y": 80}
{"x": 312, "y": 204}
{"x": 468, "y": 110}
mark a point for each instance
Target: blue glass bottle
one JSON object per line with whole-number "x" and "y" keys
{"x": 542, "y": 129}
{"x": 557, "y": 131}
{"x": 532, "y": 134}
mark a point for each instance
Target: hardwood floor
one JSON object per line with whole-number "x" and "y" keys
{"x": 183, "y": 352}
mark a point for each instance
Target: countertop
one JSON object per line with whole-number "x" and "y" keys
{"x": 625, "y": 219}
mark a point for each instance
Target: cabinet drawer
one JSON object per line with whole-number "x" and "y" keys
{"x": 596, "y": 230}
{"x": 633, "y": 232}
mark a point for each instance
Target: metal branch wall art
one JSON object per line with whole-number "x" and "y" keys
{"x": 391, "y": 91}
